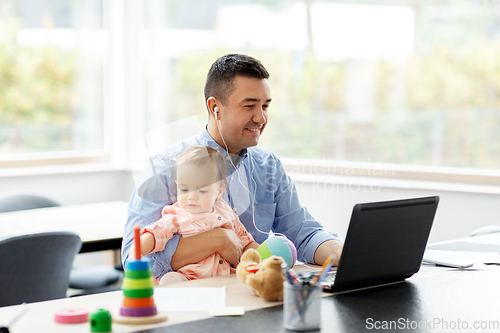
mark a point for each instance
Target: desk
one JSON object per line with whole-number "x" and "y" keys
{"x": 99, "y": 225}
{"x": 435, "y": 298}
{"x": 419, "y": 305}
{"x": 431, "y": 295}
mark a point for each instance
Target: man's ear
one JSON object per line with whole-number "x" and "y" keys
{"x": 211, "y": 104}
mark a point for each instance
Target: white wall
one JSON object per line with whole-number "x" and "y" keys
{"x": 71, "y": 187}
{"x": 459, "y": 213}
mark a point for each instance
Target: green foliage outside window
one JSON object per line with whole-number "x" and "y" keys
{"x": 449, "y": 115}
{"x": 36, "y": 96}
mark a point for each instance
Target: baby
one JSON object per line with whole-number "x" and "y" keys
{"x": 200, "y": 176}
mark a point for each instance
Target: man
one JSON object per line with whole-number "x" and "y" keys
{"x": 237, "y": 96}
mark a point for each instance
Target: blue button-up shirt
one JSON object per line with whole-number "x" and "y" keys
{"x": 259, "y": 179}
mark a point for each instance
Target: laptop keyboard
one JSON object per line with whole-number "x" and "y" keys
{"x": 327, "y": 282}
{"x": 329, "y": 279}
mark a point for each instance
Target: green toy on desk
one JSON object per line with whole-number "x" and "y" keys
{"x": 279, "y": 246}
{"x": 138, "y": 289}
{"x": 100, "y": 321}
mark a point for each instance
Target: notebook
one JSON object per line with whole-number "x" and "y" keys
{"x": 385, "y": 243}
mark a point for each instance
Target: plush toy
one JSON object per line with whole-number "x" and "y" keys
{"x": 265, "y": 276}
{"x": 279, "y": 246}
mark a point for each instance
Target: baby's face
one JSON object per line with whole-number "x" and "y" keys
{"x": 196, "y": 190}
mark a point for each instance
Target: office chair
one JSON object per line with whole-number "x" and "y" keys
{"x": 89, "y": 278}
{"x": 36, "y": 267}
{"x": 17, "y": 202}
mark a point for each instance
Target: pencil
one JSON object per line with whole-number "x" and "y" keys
{"x": 325, "y": 265}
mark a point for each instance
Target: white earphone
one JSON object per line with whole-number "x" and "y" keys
{"x": 216, "y": 110}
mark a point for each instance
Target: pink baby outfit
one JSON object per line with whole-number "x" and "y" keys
{"x": 176, "y": 220}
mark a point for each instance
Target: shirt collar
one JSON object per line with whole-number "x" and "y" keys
{"x": 204, "y": 136}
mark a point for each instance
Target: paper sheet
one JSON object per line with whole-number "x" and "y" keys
{"x": 469, "y": 256}
{"x": 190, "y": 299}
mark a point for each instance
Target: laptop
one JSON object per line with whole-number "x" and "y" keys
{"x": 384, "y": 244}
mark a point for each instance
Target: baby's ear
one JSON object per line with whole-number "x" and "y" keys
{"x": 222, "y": 188}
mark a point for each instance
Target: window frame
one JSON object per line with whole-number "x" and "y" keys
{"x": 395, "y": 175}
{"x": 125, "y": 120}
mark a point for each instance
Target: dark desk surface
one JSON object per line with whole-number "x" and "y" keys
{"x": 448, "y": 302}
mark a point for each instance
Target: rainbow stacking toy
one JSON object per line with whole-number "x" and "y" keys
{"x": 138, "y": 289}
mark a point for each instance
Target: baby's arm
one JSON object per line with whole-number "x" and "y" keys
{"x": 251, "y": 245}
{"x": 155, "y": 236}
{"x": 147, "y": 245}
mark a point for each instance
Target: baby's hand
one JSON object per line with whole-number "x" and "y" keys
{"x": 131, "y": 253}
{"x": 147, "y": 245}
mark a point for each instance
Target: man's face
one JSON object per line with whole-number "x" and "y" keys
{"x": 244, "y": 115}
{"x": 196, "y": 189}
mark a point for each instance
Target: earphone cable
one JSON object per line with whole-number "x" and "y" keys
{"x": 252, "y": 199}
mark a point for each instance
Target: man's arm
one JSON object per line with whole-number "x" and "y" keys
{"x": 312, "y": 241}
{"x": 193, "y": 249}
{"x": 333, "y": 247}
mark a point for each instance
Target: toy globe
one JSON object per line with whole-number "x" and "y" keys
{"x": 279, "y": 246}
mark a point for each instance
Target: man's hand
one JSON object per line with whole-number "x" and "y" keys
{"x": 232, "y": 249}
{"x": 193, "y": 249}
{"x": 325, "y": 249}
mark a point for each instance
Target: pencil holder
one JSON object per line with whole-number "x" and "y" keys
{"x": 301, "y": 307}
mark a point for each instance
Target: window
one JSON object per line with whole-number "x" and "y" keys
{"x": 409, "y": 83}
{"x": 52, "y": 55}
{"x": 402, "y": 82}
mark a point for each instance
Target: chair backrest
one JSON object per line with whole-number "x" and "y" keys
{"x": 17, "y": 202}
{"x": 36, "y": 267}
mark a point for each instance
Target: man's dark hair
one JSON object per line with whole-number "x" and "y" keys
{"x": 222, "y": 72}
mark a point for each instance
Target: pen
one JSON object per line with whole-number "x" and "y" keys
{"x": 289, "y": 274}
{"x": 293, "y": 275}
{"x": 292, "y": 281}
{"x": 323, "y": 268}
{"x": 325, "y": 272}
{"x": 286, "y": 273}
{"x": 22, "y": 310}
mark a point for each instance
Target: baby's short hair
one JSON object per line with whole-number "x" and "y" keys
{"x": 199, "y": 155}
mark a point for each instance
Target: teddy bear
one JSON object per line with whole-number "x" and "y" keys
{"x": 265, "y": 276}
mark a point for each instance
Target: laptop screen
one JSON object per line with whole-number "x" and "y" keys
{"x": 385, "y": 241}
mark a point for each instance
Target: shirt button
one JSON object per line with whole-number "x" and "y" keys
{"x": 219, "y": 218}
{"x": 221, "y": 261}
